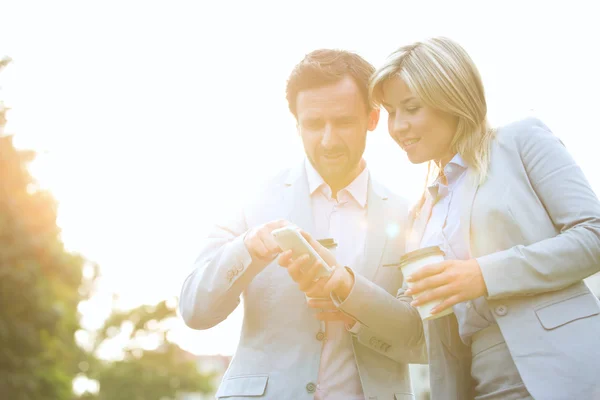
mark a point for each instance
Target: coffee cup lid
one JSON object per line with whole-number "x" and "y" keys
{"x": 417, "y": 254}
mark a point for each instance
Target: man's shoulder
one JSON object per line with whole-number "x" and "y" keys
{"x": 278, "y": 179}
{"x": 269, "y": 186}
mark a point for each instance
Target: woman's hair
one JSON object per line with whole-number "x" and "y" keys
{"x": 441, "y": 73}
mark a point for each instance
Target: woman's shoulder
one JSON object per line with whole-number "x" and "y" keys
{"x": 523, "y": 132}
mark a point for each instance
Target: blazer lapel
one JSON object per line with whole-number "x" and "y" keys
{"x": 376, "y": 230}
{"x": 297, "y": 199}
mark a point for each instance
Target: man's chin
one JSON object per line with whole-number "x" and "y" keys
{"x": 333, "y": 174}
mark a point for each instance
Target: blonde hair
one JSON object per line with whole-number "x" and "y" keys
{"x": 442, "y": 74}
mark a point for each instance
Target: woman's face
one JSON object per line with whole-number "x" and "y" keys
{"x": 423, "y": 132}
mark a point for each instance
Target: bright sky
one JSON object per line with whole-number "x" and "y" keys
{"x": 154, "y": 118}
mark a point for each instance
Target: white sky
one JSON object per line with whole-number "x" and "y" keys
{"x": 154, "y": 118}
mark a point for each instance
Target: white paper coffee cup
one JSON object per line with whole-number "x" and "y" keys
{"x": 411, "y": 263}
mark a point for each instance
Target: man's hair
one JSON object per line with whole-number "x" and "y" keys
{"x": 325, "y": 67}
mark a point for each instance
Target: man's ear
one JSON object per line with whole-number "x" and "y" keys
{"x": 373, "y": 119}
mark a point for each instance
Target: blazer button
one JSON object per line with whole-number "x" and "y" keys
{"x": 320, "y": 336}
{"x": 501, "y": 310}
{"x": 230, "y": 275}
{"x": 310, "y": 387}
{"x": 373, "y": 341}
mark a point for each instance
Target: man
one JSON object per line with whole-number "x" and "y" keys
{"x": 370, "y": 336}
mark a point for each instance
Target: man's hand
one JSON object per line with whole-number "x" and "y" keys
{"x": 453, "y": 281}
{"x": 304, "y": 273}
{"x": 330, "y": 313}
{"x": 341, "y": 281}
{"x": 260, "y": 242}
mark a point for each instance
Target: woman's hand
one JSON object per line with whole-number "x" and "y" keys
{"x": 449, "y": 282}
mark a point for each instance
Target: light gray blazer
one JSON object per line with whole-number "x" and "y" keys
{"x": 279, "y": 350}
{"x": 534, "y": 227}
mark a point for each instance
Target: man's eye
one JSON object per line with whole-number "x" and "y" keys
{"x": 313, "y": 124}
{"x": 346, "y": 122}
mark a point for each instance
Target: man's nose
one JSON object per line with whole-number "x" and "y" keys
{"x": 329, "y": 138}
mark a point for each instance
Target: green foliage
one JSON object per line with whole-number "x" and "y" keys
{"x": 39, "y": 282}
{"x": 41, "y": 286}
{"x": 146, "y": 374}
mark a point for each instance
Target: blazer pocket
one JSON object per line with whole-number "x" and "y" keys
{"x": 404, "y": 396}
{"x": 243, "y": 385}
{"x": 553, "y": 315}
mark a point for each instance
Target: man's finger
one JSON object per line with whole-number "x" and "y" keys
{"x": 426, "y": 271}
{"x": 285, "y": 258}
{"x": 259, "y": 248}
{"x": 324, "y": 304}
{"x": 295, "y": 268}
{"x": 317, "y": 289}
{"x": 269, "y": 242}
{"x": 280, "y": 223}
{"x": 308, "y": 277}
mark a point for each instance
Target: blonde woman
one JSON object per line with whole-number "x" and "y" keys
{"x": 520, "y": 227}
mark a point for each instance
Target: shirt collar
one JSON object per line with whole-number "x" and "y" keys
{"x": 357, "y": 188}
{"x": 453, "y": 171}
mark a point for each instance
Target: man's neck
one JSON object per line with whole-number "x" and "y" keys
{"x": 342, "y": 183}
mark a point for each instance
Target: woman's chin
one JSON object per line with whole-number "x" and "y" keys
{"x": 416, "y": 159}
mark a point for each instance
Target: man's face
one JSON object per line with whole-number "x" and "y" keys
{"x": 333, "y": 122}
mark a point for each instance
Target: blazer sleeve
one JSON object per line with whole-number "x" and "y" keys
{"x": 570, "y": 256}
{"x": 220, "y": 274}
{"x": 389, "y": 325}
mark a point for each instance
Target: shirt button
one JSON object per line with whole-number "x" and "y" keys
{"x": 501, "y": 310}
{"x": 320, "y": 336}
{"x": 310, "y": 387}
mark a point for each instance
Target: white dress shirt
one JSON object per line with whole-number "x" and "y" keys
{"x": 443, "y": 230}
{"x": 345, "y": 220}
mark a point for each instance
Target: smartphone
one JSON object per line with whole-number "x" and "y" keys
{"x": 289, "y": 238}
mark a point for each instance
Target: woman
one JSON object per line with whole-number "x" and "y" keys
{"x": 520, "y": 227}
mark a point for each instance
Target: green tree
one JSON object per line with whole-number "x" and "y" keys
{"x": 39, "y": 285}
{"x": 155, "y": 374}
